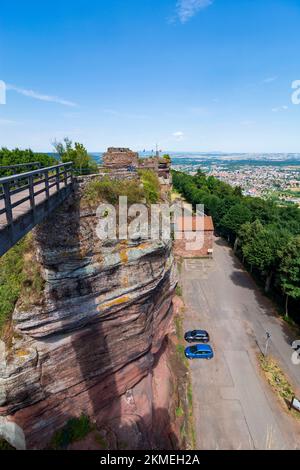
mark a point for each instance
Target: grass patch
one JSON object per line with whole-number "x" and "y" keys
{"x": 278, "y": 381}
{"x": 75, "y": 430}
{"x": 151, "y": 185}
{"x": 20, "y": 279}
{"x": 179, "y": 412}
{"x": 190, "y": 398}
{"x": 191, "y": 423}
{"x": 179, "y": 327}
{"x": 184, "y": 392}
{"x": 183, "y": 433}
{"x": 178, "y": 290}
{"x": 180, "y": 351}
{"x": 109, "y": 190}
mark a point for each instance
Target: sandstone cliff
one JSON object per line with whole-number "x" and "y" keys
{"x": 94, "y": 341}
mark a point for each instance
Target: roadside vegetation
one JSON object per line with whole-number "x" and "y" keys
{"x": 278, "y": 382}
{"x": 20, "y": 280}
{"x": 178, "y": 291}
{"x": 184, "y": 405}
{"x": 265, "y": 236}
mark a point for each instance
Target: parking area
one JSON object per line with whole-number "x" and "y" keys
{"x": 233, "y": 406}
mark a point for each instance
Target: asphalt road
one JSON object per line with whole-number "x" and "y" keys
{"x": 234, "y": 407}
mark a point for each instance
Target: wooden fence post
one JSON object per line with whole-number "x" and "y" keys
{"x": 47, "y": 184}
{"x": 57, "y": 178}
{"x": 9, "y": 214}
{"x": 31, "y": 195}
{"x": 66, "y": 175}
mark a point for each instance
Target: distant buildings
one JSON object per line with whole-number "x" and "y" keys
{"x": 276, "y": 181}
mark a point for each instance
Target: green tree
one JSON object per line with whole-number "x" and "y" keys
{"x": 289, "y": 271}
{"x": 78, "y": 154}
{"x": 17, "y": 156}
{"x": 263, "y": 227}
{"x": 262, "y": 251}
{"x": 234, "y": 218}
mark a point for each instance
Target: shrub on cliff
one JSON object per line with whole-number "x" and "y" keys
{"x": 20, "y": 279}
{"x": 109, "y": 190}
{"x": 75, "y": 430}
{"x": 151, "y": 185}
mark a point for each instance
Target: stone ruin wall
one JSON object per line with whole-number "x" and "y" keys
{"x": 123, "y": 159}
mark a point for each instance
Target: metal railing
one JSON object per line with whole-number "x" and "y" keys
{"x": 39, "y": 191}
{"x": 19, "y": 166}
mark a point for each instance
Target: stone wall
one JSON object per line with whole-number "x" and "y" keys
{"x": 118, "y": 158}
{"x": 123, "y": 162}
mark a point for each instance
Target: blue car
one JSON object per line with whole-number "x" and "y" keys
{"x": 199, "y": 351}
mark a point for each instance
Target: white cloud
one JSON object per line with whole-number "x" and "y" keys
{"x": 8, "y": 122}
{"x": 179, "y": 136}
{"x": 280, "y": 108}
{"x": 186, "y": 9}
{"x": 270, "y": 79}
{"x": 39, "y": 96}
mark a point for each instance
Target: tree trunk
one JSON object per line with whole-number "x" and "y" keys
{"x": 268, "y": 282}
{"x": 287, "y": 306}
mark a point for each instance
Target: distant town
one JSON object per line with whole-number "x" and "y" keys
{"x": 275, "y": 176}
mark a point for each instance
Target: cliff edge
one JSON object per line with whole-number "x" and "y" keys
{"x": 95, "y": 342}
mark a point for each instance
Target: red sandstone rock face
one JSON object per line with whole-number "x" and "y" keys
{"x": 90, "y": 346}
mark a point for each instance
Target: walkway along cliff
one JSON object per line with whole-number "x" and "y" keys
{"x": 95, "y": 342}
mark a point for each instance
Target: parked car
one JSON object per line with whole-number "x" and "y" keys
{"x": 197, "y": 336}
{"x": 199, "y": 351}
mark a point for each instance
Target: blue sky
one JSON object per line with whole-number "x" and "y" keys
{"x": 195, "y": 75}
